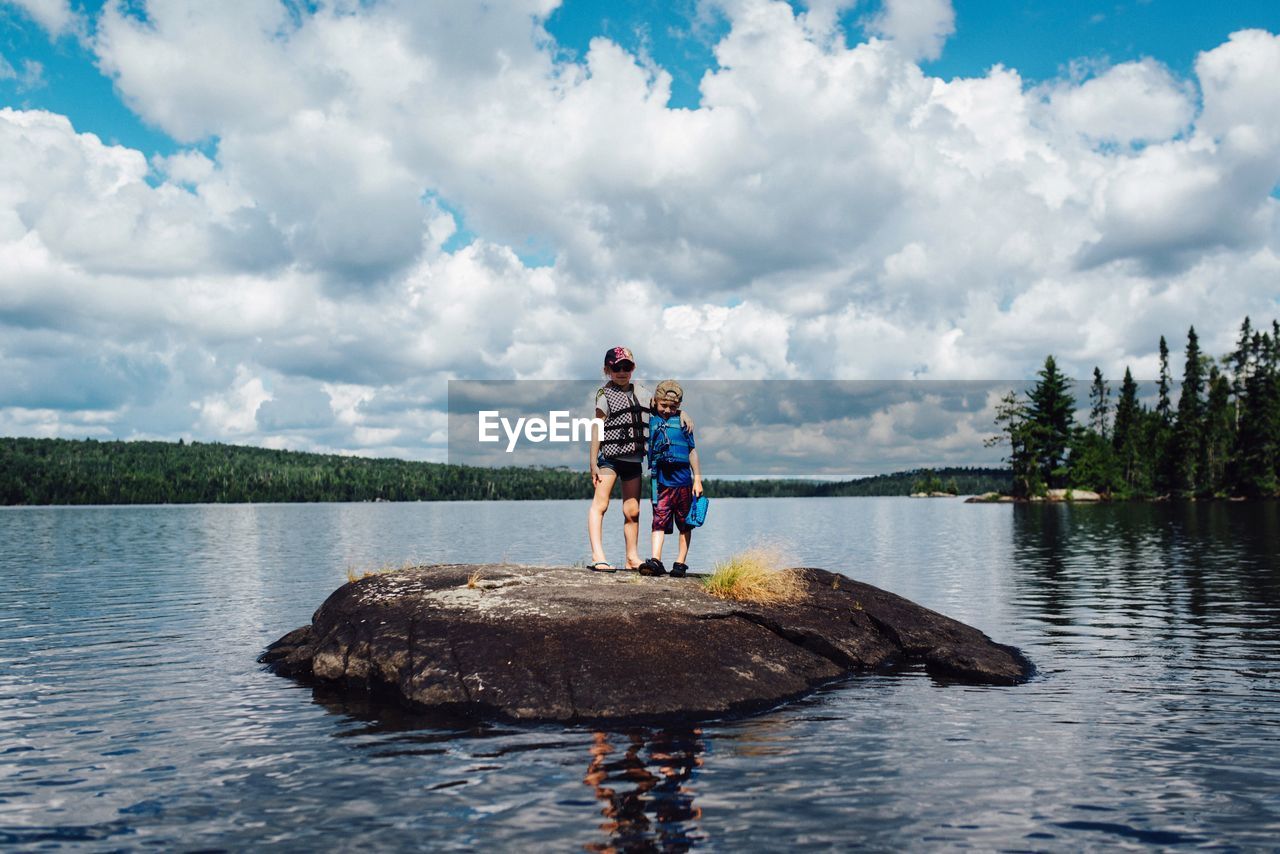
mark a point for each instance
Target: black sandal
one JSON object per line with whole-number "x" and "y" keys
{"x": 602, "y": 566}
{"x": 652, "y": 568}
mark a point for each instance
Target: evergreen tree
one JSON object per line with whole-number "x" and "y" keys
{"x": 65, "y": 471}
{"x": 1098, "y": 406}
{"x": 1219, "y": 433}
{"x": 1126, "y": 437}
{"x": 1160, "y": 433}
{"x": 1255, "y": 458}
{"x": 1189, "y": 432}
{"x": 927, "y": 483}
{"x": 1017, "y": 428}
{"x": 1051, "y": 412}
{"x": 1093, "y": 462}
{"x": 1162, "y": 403}
{"x": 1239, "y": 359}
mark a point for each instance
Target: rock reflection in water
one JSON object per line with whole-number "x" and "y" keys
{"x": 642, "y": 779}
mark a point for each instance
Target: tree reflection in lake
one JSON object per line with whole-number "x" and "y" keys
{"x": 1179, "y": 573}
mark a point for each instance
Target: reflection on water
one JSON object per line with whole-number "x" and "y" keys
{"x": 1181, "y": 573}
{"x": 133, "y": 714}
{"x": 642, "y": 780}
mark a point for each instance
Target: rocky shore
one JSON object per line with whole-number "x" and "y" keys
{"x": 567, "y": 644}
{"x": 1052, "y": 496}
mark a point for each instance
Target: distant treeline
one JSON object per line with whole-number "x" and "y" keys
{"x": 964, "y": 481}
{"x": 67, "y": 471}
{"x": 1222, "y": 438}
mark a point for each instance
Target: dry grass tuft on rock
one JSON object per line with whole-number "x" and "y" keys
{"x": 355, "y": 574}
{"x": 756, "y": 575}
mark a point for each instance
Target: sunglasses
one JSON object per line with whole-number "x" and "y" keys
{"x": 622, "y": 366}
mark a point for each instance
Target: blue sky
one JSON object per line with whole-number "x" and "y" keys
{"x": 1039, "y": 38}
{"x": 292, "y": 225}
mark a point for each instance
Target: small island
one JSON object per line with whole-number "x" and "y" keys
{"x": 565, "y": 644}
{"x": 1218, "y": 439}
{"x": 1052, "y": 496}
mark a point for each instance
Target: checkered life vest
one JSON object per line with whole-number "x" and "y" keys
{"x": 624, "y": 427}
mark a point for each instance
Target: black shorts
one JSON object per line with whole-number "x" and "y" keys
{"x": 626, "y": 470}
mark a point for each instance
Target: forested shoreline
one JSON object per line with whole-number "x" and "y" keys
{"x": 1221, "y": 439}
{"x": 74, "y": 471}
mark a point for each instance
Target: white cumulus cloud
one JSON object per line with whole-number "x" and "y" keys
{"x": 1131, "y": 102}
{"x": 919, "y": 28}
{"x": 56, "y": 16}
{"x": 378, "y": 197}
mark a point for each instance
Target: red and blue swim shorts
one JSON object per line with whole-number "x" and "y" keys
{"x": 672, "y": 506}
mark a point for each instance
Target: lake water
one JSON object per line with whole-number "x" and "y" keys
{"x": 133, "y": 714}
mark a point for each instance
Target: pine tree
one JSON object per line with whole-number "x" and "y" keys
{"x": 1051, "y": 412}
{"x": 1239, "y": 359}
{"x": 1013, "y": 419}
{"x": 1189, "y": 431}
{"x": 1162, "y": 403}
{"x": 1098, "y": 406}
{"x": 1219, "y": 433}
{"x": 1160, "y": 433}
{"x": 1255, "y": 459}
{"x": 1126, "y": 437}
{"x": 1093, "y": 462}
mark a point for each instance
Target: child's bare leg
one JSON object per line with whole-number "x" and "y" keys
{"x": 595, "y": 514}
{"x": 658, "y": 537}
{"x": 685, "y": 538}
{"x": 631, "y": 520}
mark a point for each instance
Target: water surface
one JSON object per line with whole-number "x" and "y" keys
{"x": 133, "y": 714}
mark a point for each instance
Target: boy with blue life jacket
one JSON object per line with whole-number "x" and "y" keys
{"x": 676, "y": 478}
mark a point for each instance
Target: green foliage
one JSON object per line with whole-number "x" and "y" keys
{"x": 1051, "y": 413}
{"x": 1128, "y": 439}
{"x": 930, "y": 481}
{"x": 1254, "y": 464}
{"x": 1219, "y": 433}
{"x": 1099, "y": 406}
{"x": 1188, "y": 434}
{"x": 66, "y": 471}
{"x": 1223, "y": 439}
{"x": 1013, "y": 417}
{"x": 1160, "y": 431}
{"x": 1094, "y": 464}
{"x": 966, "y": 481}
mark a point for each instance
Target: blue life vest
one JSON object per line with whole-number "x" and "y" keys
{"x": 669, "y": 444}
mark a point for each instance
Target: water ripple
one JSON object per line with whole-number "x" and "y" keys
{"x": 132, "y": 713}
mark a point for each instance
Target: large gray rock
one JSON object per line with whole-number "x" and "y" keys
{"x": 566, "y": 644}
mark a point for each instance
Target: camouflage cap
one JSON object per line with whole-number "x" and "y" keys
{"x": 669, "y": 390}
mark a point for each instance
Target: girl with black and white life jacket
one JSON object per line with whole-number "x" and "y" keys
{"x": 616, "y": 456}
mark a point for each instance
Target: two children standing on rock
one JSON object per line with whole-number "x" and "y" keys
{"x": 631, "y": 416}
